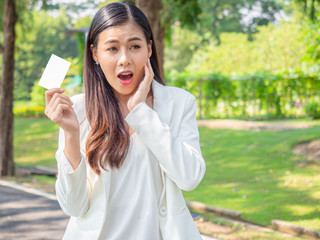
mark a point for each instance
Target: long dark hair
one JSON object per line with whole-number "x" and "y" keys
{"x": 109, "y": 139}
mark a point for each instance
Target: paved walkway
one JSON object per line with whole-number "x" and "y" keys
{"x": 30, "y": 214}
{"x": 282, "y": 125}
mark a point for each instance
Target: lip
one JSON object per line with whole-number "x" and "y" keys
{"x": 125, "y": 82}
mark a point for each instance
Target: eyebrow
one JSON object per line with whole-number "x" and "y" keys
{"x": 130, "y": 40}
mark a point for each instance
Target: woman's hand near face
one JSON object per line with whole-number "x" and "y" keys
{"x": 59, "y": 110}
{"x": 143, "y": 89}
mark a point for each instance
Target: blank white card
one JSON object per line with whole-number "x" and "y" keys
{"x": 54, "y": 73}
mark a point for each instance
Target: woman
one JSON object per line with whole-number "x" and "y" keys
{"x": 129, "y": 144}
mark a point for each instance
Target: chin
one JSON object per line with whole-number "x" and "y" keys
{"x": 125, "y": 91}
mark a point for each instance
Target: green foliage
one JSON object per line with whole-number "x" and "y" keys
{"x": 184, "y": 11}
{"x": 35, "y": 45}
{"x": 313, "y": 42}
{"x": 310, "y": 8}
{"x": 105, "y": 2}
{"x": 312, "y": 110}
{"x": 220, "y": 16}
{"x": 274, "y": 49}
{"x": 252, "y": 96}
{"x": 37, "y": 111}
{"x": 179, "y": 54}
{"x": 37, "y": 95}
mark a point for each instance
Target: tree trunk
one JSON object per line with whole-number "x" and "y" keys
{"x": 152, "y": 10}
{"x": 6, "y": 91}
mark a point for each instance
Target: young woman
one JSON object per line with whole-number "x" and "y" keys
{"x": 129, "y": 144}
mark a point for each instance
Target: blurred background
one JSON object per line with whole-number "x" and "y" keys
{"x": 253, "y": 66}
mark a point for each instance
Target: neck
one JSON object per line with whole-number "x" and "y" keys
{"x": 122, "y": 99}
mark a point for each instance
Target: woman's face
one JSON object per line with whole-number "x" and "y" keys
{"x": 122, "y": 52}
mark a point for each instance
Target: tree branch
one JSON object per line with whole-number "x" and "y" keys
{"x": 1, "y": 48}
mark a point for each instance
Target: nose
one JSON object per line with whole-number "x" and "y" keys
{"x": 124, "y": 58}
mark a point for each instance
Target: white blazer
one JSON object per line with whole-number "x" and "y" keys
{"x": 170, "y": 132}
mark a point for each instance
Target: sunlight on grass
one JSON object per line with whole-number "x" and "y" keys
{"x": 316, "y": 195}
{"x": 309, "y": 224}
{"x": 300, "y": 210}
{"x": 36, "y": 141}
{"x": 299, "y": 181}
{"x": 247, "y": 171}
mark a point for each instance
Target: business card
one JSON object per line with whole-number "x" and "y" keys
{"x": 54, "y": 73}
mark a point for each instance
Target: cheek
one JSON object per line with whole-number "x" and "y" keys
{"x": 107, "y": 65}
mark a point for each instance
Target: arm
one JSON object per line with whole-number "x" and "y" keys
{"x": 179, "y": 156}
{"x": 72, "y": 188}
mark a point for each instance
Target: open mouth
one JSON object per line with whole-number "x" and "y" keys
{"x": 125, "y": 76}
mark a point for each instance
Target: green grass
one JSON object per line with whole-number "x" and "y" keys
{"x": 247, "y": 171}
{"x": 35, "y": 142}
{"x": 256, "y": 173}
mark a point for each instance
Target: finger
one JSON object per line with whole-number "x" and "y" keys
{"x": 58, "y": 102}
{"x": 146, "y": 71}
{"x": 52, "y": 108}
{"x": 58, "y": 96}
{"x": 150, "y": 68}
{"x": 49, "y": 93}
{"x": 58, "y": 114}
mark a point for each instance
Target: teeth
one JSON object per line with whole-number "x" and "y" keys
{"x": 125, "y": 73}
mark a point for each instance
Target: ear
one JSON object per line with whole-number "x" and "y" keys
{"x": 94, "y": 53}
{"x": 150, "y": 48}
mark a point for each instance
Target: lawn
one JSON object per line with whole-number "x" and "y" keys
{"x": 248, "y": 171}
{"x": 35, "y": 142}
{"x": 256, "y": 173}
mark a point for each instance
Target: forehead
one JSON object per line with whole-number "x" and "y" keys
{"x": 121, "y": 32}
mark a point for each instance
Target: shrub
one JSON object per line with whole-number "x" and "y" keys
{"x": 37, "y": 94}
{"x": 32, "y": 111}
{"x": 312, "y": 110}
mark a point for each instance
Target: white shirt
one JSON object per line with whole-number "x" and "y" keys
{"x": 174, "y": 144}
{"x": 133, "y": 208}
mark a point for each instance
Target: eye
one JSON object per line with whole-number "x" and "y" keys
{"x": 112, "y": 49}
{"x": 135, "y": 47}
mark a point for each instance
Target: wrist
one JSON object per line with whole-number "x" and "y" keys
{"x": 72, "y": 134}
{"x": 131, "y": 107}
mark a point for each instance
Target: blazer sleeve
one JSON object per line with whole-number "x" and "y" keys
{"x": 179, "y": 156}
{"x": 72, "y": 186}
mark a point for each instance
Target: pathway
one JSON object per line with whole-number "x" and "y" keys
{"x": 255, "y": 125}
{"x": 31, "y": 214}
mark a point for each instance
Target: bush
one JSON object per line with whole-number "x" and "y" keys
{"x": 312, "y": 110}
{"x": 37, "y": 94}
{"x": 32, "y": 111}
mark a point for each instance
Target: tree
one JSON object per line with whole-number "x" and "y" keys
{"x": 152, "y": 11}
{"x": 7, "y": 48}
{"x": 35, "y": 44}
{"x": 163, "y": 13}
{"x": 220, "y": 16}
{"x": 310, "y": 7}
{"x": 6, "y": 90}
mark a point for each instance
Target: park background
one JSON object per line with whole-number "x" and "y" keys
{"x": 250, "y": 60}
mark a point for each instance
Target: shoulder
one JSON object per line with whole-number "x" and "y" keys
{"x": 176, "y": 93}
{"x": 181, "y": 96}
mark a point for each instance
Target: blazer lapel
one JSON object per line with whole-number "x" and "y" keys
{"x": 162, "y": 102}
